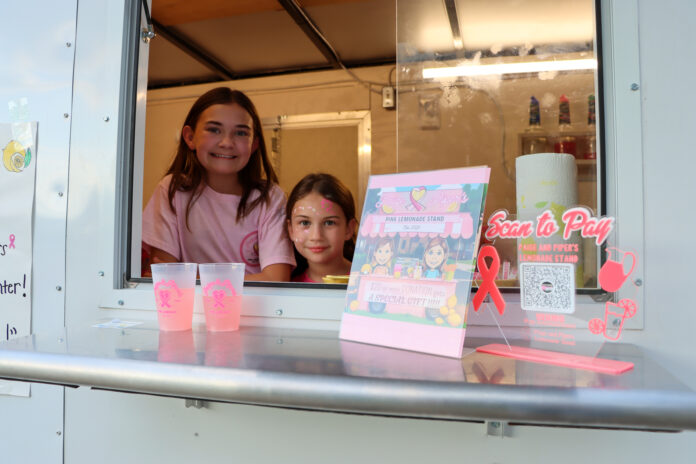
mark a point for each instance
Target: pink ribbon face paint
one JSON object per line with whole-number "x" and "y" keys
{"x": 326, "y": 205}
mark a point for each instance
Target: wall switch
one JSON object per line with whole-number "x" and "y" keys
{"x": 388, "y": 98}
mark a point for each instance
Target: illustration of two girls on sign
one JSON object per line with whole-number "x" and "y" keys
{"x": 417, "y": 258}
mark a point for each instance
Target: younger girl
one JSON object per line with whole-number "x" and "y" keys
{"x": 434, "y": 257}
{"x": 321, "y": 222}
{"x": 219, "y": 201}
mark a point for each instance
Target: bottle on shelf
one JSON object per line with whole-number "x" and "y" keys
{"x": 534, "y": 139}
{"x": 591, "y": 142}
{"x": 565, "y": 143}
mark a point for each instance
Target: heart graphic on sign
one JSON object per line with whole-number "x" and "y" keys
{"x": 416, "y": 194}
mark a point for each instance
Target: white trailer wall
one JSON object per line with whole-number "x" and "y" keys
{"x": 36, "y": 64}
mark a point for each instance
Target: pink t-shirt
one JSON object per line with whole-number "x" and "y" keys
{"x": 303, "y": 278}
{"x": 258, "y": 240}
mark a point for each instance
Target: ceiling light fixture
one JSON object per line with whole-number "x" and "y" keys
{"x": 509, "y": 68}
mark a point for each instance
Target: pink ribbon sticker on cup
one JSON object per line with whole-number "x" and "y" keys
{"x": 163, "y": 290}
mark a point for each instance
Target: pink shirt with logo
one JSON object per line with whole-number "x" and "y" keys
{"x": 258, "y": 240}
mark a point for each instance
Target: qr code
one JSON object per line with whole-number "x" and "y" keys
{"x": 547, "y": 287}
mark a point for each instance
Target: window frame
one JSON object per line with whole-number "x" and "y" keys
{"x": 619, "y": 126}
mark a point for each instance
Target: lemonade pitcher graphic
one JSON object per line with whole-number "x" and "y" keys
{"x": 612, "y": 275}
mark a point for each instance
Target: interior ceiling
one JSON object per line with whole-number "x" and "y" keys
{"x": 214, "y": 40}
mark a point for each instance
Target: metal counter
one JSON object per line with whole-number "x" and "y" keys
{"x": 314, "y": 370}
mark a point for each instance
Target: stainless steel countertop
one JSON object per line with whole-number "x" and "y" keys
{"x": 314, "y": 370}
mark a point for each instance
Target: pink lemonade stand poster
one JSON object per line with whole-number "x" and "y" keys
{"x": 410, "y": 282}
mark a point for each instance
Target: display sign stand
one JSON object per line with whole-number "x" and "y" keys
{"x": 411, "y": 275}
{"x": 548, "y": 271}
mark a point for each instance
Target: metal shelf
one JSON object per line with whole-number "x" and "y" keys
{"x": 314, "y": 370}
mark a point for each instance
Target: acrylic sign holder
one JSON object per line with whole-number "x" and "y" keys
{"x": 410, "y": 281}
{"x": 545, "y": 326}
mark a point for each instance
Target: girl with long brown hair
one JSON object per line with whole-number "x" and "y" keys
{"x": 321, "y": 223}
{"x": 220, "y": 200}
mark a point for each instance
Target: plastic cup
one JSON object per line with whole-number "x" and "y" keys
{"x": 174, "y": 285}
{"x": 222, "y": 295}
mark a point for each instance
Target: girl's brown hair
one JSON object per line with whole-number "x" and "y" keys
{"x": 188, "y": 173}
{"x": 332, "y": 189}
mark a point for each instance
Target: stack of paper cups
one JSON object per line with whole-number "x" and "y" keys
{"x": 547, "y": 181}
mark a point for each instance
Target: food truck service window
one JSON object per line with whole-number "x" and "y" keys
{"x": 377, "y": 87}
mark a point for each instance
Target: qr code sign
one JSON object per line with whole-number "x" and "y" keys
{"x": 547, "y": 287}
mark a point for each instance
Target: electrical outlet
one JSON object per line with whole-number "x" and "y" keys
{"x": 388, "y": 100}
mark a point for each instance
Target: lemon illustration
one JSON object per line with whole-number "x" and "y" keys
{"x": 454, "y": 319}
{"x": 451, "y": 301}
{"x": 15, "y": 157}
{"x": 444, "y": 311}
{"x": 387, "y": 209}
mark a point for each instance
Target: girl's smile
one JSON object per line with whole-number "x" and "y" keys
{"x": 383, "y": 254}
{"x": 223, "y": 141}
{"x": 319, "y": 230}
{"x": 434, "y": 256}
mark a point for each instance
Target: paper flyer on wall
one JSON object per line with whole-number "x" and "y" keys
{"x": 410, "y": 281}
{"x": 17, "y": 181}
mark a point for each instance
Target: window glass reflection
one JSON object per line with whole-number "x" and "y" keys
{"x": 486, "y": 82}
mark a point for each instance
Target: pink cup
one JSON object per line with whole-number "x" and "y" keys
{"x": 222, "y": 285}
{"x": 174, "y": 285}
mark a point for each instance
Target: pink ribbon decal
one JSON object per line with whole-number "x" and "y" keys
{"x": 218, "y": 296}
{"x": 12, "y": 240}
{"x": 164, "y": 293}
{"x": 224, "y": 288}
{"x": 164, "y": 298}
{"x": 488, "y": 275}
